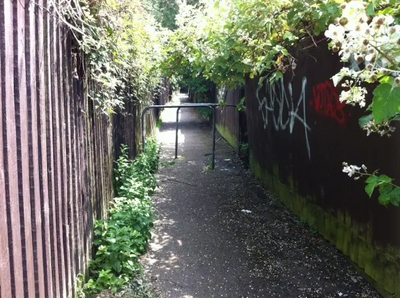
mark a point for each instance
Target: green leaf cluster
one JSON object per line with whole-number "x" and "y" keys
{"x": 388, "y": 192}
{"x": 386, "y": 103}
{"x": 225, "y": 41}
{"x": 122, "y": 45}
{"x": 123, "y": 236}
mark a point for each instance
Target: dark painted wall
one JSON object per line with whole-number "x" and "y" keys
{"x": 299, "y": 135}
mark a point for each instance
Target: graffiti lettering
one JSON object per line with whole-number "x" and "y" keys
{"x": 280, "y": 109}
{"x": 326, "y": 102}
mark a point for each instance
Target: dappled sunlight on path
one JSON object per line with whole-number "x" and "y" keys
{"x": 220, "y": 234}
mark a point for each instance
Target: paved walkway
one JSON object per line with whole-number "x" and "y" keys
{"x": 220, "y": 234}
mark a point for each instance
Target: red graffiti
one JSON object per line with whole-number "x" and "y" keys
{"x": 326, "y": 102}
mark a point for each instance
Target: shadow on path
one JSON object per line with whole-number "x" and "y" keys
{"x": 220, "y": 234}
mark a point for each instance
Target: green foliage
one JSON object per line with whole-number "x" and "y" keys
{"x": 241, "y": 107}
{"x": 205, "y": 113}
{"x": 136, "y": 179}
{"x": 244, "y": 150}
{"x": 365, "y": 119}
{"x": 377, "y": 56}
{"x": 225, "y": 41}
{"x": 181, "y": 68}
{"x": 122, "y": 44}
{"x": 165, "y": 12}
{"x": 244, "y": 146}
{"x": 388, "y": 192}
{"x": 386, "y": 103}
{"x": 159, "y": 123}
{"x": 123, "y": 236}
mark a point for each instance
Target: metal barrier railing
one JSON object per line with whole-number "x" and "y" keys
{"x": 212, "y": 106}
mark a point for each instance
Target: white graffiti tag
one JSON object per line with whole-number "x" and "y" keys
{"x": 279, "y": 107}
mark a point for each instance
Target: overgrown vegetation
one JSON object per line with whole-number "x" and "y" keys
{"x": 205, "y": 113}
{"x": 224, "y": 41}
{"x": 368, "y": 36}
{"x": 122, "y": 45}
{"x": 123, "y": 237}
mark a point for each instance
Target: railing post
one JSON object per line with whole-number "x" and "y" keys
{"x": 176, "y": 132}
{"x": 213, "y": 136}
{"x": 239, "y": 134}
{"x": 211, "y": 106}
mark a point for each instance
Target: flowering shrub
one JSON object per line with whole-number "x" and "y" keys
{"x": 389, "y": 193}
{"x": 372, "y": 45}
{"x": 370, "y": 41}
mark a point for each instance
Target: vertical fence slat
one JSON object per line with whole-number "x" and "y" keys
{"x": 42, "y": 93}
{"x": 23, "y": 153}
{"x": 75, "y": 194}
{"x": 75, "y": 176}
{"x": 10, "y": 163}
{"x": 99, "y": 158}
{"x": 67, "y": 85}
{"x": 62, "y": 159}
{"x": 86, "y": 172}
{"x": 79, "y": 161}
{"x": 65, "y": 162}
{"x": 33, "y": 154}
{"x": 56, "y": 123}
{"x": 49, "y": 105}
{"x": 5, "y": 269}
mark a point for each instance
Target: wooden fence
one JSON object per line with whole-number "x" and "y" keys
{"x": 56, "y": 156}
{"x": 299, "y": 133}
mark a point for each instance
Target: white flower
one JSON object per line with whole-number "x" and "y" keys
{"x": 394, "y": 32}
{"x": 383, "y": 128}
{"x": 350, "y": 169}
{"x": 370, "y": 57}
{"x": 388, "y": 20}
{"x": 353, "y": 12}
{"x": 355, "y": 95}
{"x": 397, "y": 81}
{"x": 335, "y": 32}
{"x": 345, "y": 96}
{"x": 346, "y": 52}
{"x": 337, "y": 78}
{"x": 384, "y": 62}
{"x": 375, "y": 43}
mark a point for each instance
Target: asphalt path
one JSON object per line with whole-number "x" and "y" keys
{"x": 219, "y": 233}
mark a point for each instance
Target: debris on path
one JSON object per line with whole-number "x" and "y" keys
{"x": 220, "y": 234}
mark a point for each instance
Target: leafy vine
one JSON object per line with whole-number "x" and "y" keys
{"x": 225, "y": 41}
{"x": 122, "y": 45}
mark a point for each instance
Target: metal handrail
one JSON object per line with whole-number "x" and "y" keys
{"x": 212, "y": 106}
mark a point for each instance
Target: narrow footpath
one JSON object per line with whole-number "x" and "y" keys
{"x": 219, "y": 233}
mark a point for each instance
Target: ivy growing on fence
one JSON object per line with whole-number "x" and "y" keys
{"x": 122, "y": 45}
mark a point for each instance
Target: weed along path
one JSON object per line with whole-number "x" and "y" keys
{"x": 220, "y": 234}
